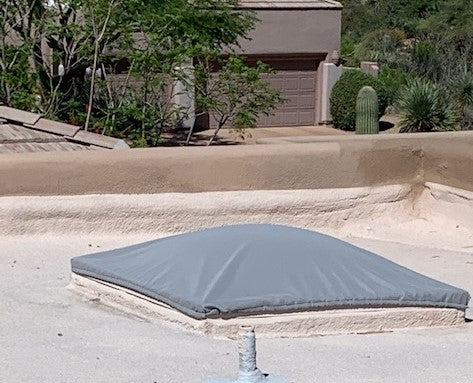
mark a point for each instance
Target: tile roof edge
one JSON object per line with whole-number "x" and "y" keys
{"x": 95, "y": 139}
{"x": 59, "y": 128}
{"x": 18, "y": 115}
{"x": 62, "y": 130}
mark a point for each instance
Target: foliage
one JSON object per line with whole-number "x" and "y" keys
{"x": 393, "y": 80}
{"x": 462, "y": 91}
{"x": 424, "y": 110}
{"x": 344, "y": 94}
{"x": 58, "y": 41}
{"x": 452, "y": 21}
{"x": 383, "y": 45}
{"x": 90, "y": 41}
{"x": 424, "y": 59}
{"x": 428, "y": 40}
{"x": 362, "y": 17}
{"x": 348, "y": 47}
{"x": 236, "y": 95}
{"x": 16, "y": 86}
{"x": 467, "y": 118}
{"x": 170, "y": 34}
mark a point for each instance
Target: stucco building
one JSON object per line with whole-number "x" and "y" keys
{"x": 296, "y": 38}
{"x": 300, "y": 40}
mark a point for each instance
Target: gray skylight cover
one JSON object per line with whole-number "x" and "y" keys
{"x": 258, "y": 269}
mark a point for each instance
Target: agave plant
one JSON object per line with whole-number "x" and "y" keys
{"x": 424, "y": 110}
{"x": 462, "y": 89}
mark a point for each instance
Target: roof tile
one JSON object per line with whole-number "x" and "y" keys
{"x": 10, "y": 133}
{"x": 17, "y": 115}
{"x": 99, "y": 140}
{"x": 55, "y": 127}
{"x": 30, "y": 147}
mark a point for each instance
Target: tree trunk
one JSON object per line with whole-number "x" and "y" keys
{"x": 214, "y": 136}
{"x": 92, "y": 86}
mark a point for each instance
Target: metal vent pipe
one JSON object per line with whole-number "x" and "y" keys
{"x": 249, "y": 372}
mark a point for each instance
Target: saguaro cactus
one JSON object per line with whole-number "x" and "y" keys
{"x": 367, "y": 111}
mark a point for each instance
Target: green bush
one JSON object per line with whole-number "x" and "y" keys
{"x": 347, "y": 51}
{"x": 383, "y": 45}
{"x": 344, "y": 94}
{"x": 425, "y": 60}
{"x": 393, "y": 80}
{"x": 461, "y": 90}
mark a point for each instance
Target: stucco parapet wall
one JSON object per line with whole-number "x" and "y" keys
{"x": 335, "y": 162}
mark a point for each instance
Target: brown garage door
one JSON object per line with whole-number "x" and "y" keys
{"x": 296, "y": 79}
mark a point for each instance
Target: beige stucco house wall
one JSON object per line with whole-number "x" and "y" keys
{"x": 296, "y": 38}
{"x": 294, "y": 27}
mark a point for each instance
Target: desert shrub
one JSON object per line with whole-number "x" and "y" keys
{"x": 347, "y": 50}
{"x": 393, "y": 80}
{"x": 344, "y": 93}
{"x": 237, "y": 95}
{"x": 467, "y": 120}
{"x": 461, "y": 90}
{"x": 425, "y": 60}
{"x": 423, "y": 109}
{"x": 383, "y": 45}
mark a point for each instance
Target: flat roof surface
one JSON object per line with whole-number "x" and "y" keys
{"x": 49, "y": 334}
{"x": 288, "y": 4}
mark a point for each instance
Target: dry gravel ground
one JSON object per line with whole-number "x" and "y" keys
{"x": 50, "y": 335}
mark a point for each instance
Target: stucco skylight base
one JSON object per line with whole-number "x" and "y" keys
{"x": 293, "y": 325}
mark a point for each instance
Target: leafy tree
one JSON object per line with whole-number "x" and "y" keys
{"x": 88, "y": 42}
{"x": 101, "y": 15}
{"x": 16, "y": 80}
{"x": 236, "y": 95}
{"x": 58, "y": 40}
{"x": 166, "y": 35}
